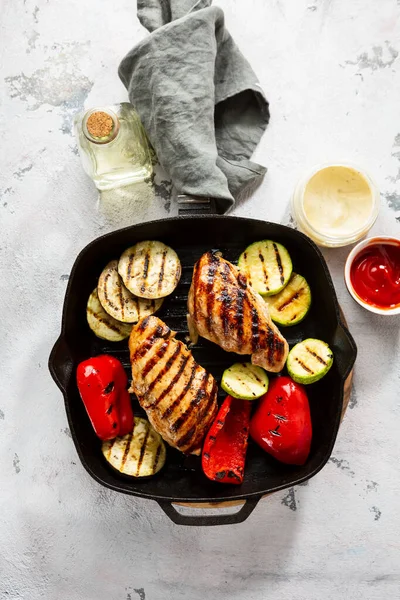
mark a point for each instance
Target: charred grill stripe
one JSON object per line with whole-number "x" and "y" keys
{"x": 274, "y": 432}
{"x": 255, "y": 331}
{"x": 121, "y": 300}
{"x": 196, "y": 443}
{"x": 147, "y": 343}
{"x": 113, "y": 326}
{"x": 317, "y": 356}
{"x": 213, "y": 261}
{"x": 143, "y": 450}
{"x": 186, "y": 439}
{"x": 165, "y": 368}
{"x": 161, "y": 274}
{"x": 131, "y": 257}
{"x": 305, "y": 367}
{"x": 255, "y": 376}
{"x": 292, "y": 299}
{"x": 154, "y": 360}
{"x": 279, "y": 262}
{"x": 144, "y": 323}
{"x": 270, "y": 345}
{"x": 157, "y": 458}
{"x": 211, "y": 400}
{"x": 225, "y": 298}
{"x": 240, "y": 316}
{"x": 145, "y": 270}
{"x": 195, "y": 285}
{"x": 127, "y": 449}
{"x": 105, "y": 292}
{"x": 201, "y": 392}
{"x": 168, "y": 411}
{"x": 111, "y": 448}
{"x": 174, "y": 380}
{"x": 280, "y": 348}
{"x": 262, "y": 260}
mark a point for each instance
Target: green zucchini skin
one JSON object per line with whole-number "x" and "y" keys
{"x": 245, "y": 381}
{"x": 309, "y": 361}
{"x": 291, "y": 305}
{"x": 267, "y": 265}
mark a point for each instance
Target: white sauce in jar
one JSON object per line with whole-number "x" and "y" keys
{"x": 338, "y": 201}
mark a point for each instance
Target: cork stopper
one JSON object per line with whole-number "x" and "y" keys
{"x": 100, "y": 125}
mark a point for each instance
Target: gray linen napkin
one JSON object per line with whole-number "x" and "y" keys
{"x": 198, "y": 99}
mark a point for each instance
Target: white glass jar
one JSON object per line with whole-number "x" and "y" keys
{"x": 113, "y": 146}
{"x": 336, "y": 204}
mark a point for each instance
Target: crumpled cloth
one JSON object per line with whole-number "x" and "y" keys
{"x": 198, "y": 98}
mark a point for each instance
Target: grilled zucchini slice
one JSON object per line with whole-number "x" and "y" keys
{"x": 102, "y": 324}
{"x": 150, "y": 269}
{"x": 309, "y": 361}
{"x": 245, "y": 381}
{"x": 267, "y": 265}
{"x": 291, "y": 305}
{"x": 119, "y": 302}
{"x": 138, "y": 454}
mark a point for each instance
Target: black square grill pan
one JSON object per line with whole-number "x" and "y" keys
{"x": 182, "y": 480}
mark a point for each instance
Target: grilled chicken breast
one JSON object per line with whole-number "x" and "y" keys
{"x": 224, "y": 309}
{"x": 179, "y": 396}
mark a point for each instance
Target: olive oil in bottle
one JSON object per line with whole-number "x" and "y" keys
{"x": 113, "y": 146}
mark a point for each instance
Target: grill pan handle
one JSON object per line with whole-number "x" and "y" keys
{"x": 204, "y": 520}
{"x": 60, "y": 363}
{"x": 195, "y": 205}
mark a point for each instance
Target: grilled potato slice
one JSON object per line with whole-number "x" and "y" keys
{"x": 102, "y": 324}
{"x": 267, "y": 265}
{"x": 138, "y": 454}
{"x": 150, "y": 269}
{"x": 119, "y": 302}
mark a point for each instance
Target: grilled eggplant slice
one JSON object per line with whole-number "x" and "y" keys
{"x": 119, "y": 302}
{"x": 150, "y": 269}
{"x": 138, "y": 454}
{"x": 267, "y": 265}
{"x": 309, "y": 361}
{"x": 102, "y": 324}
{"x": 291, "y": 305}
{"x": 245, "y": 381}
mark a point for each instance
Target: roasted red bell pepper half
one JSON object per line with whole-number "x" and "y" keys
{"x": 225, "y": 446}
{"x": 281, "y": 424}
{"x": 102, "y": 384}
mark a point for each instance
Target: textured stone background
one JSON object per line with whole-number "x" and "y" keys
{"x": 331, "y": 70}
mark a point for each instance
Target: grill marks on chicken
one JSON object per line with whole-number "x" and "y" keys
{"x": 225, "y": 309}
{"x": 178, "y": 395}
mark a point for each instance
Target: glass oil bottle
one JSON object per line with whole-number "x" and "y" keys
{"x": 113, "y": 146}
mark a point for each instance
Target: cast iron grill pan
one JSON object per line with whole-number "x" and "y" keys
{"x": 182, "y": 480}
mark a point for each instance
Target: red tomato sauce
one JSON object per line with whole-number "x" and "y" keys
{"x": 375, "y": 275}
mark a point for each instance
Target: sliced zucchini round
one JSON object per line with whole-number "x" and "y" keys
{"x": 119, "y": 302}
{"x": 102, "y": 324}
{"x": 150, "y": 269}
{"x": 245, "y": 381}
{"x": 267, "y": 265}
{"x": 309, "y": 361}
{"x": 291, "y": 305}
{"x": 138, "y": 454}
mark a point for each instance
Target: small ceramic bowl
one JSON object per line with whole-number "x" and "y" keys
{"x": 351, "y": 257}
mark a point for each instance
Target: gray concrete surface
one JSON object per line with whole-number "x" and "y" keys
{"x": 331, "y": 70}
